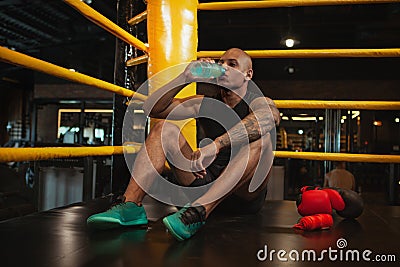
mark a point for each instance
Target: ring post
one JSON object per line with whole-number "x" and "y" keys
{"x": 172, "y": 38}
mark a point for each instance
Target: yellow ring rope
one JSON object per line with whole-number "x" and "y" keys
{"x": 339, "y": 156}
{"x": 137, "y": 60}
{"x": 312, "y": 53}
{"x": 106, "y": 24}
{"x": 317, "y": 104}
{"x": 283, "y": 3}
{"x": 138, "y": 18}
{"x": 44, "y": 153}
{"x": 16, "y": 58}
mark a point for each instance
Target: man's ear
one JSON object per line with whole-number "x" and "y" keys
{"x": 249, "y": 74}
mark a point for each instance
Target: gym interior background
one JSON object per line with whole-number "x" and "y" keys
{"x": 40, "y": 110}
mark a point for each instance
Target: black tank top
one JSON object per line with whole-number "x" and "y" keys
{"x": 215, "y": 118}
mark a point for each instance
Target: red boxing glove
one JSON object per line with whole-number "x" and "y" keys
{"x": 337, "y": 201}
{"x": 309, "y": 187}
{"x": 315, "y": 222}
{"x": 313, "y": 201}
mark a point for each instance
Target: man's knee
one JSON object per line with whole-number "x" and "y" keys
{"x": 244, "y": 193}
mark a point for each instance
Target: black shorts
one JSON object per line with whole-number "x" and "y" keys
{"x": 212, "y": 173}
{"x": 233, "y": 203}
{"x": 236, "y": 205}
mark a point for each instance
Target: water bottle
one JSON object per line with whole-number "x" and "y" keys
{"x": 207, "y": 70}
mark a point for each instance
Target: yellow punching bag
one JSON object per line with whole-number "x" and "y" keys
{"x": 172, "y": 37}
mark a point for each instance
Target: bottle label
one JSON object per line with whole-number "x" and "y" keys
{"x": 207, "y": 70}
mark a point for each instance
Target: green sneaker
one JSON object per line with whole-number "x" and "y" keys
{"x": 123, "y": 214}
{"x": 186, "y": 222}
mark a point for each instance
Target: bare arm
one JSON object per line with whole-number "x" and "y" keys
{"x": 263, "y": 117}
{"x": 162, "y": 103}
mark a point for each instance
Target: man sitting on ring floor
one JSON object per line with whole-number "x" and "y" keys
{"x": 242, "y": 142}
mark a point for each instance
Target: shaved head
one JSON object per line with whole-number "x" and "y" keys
{"x": 242, "y": 56}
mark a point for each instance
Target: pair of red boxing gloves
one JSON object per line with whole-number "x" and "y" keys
{"x": 316, "y": 205}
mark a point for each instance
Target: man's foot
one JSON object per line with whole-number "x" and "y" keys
{"x": 122, "y": 214}
{"x": 186, "y": 222}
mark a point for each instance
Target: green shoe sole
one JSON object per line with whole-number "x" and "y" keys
{"x": 171, "y": 230}
{"x": 104, "y": 223}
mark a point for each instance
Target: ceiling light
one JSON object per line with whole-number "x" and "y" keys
{"x": 304, "y": 118}
{"x": 290, "y": 69}
{"x": 377, "y": 123}
{"x": 300, "y": 131}
{"x": 289, "y": 42}
{"x": 397, "y": 120}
